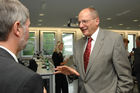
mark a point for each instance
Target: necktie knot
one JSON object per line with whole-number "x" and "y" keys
{"x": 89, "y": 39}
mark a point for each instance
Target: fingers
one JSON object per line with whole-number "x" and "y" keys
{"x": 58, "y": 68}
{"x": 66, "y": 70}
{"x": 73, "y": 71}
{"x": 57, "y": 72}
{"x": 76, "y": 73}
{"x": 44, "y": 90}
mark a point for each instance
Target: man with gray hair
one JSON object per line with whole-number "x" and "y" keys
{"x": 14, "y": 33}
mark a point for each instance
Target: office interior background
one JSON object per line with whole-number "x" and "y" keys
{"x": 55, "y": 20}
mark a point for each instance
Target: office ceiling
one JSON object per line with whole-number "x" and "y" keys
{"x": 114, "y": 14}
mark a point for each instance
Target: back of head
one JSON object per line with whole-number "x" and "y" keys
{"x": 10, "y": 12}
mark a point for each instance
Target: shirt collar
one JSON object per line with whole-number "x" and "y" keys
{"x": 12, "y": 54}
{"x": 94, "y": 35}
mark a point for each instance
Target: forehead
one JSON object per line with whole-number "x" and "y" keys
{"x": 84, "y": 14}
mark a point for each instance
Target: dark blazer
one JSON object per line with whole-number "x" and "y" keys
{"x": 15, "y": 78}
{"x": 108, "y": 70}
{"x": 137, "y": 60}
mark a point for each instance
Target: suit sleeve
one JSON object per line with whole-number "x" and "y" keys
{"x": 33, "y": 85}
{"x": 74, "y": 65}
{"x": 122, "y": 67}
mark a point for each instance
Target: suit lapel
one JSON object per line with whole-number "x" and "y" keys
{"x": 81, "y": 51}
{"x": 96, "y": 50}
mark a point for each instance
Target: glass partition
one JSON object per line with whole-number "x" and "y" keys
{"x": 31, "y": 45}
{"x": 48, "y": 42}
{"x": 68, "y": 43}
{"x": 132, "y": 43}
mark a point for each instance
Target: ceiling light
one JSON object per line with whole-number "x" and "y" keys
{"x": 39, "y": 24}
{"x": 120, "y": 24}
{"x": 108, "y": 18}
{"x": 110, "y": 27}
{"x": 40, "y": 20}
{"x": 128, "y": 27}
{"x": 41, "y": 14}
{"x": 135, "y": 20}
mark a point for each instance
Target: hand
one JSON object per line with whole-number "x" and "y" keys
{"x": 66, "y": 70}
{"x": 62, "y": 63}
{"x": 44, "y": 90}
{"x": 65, "y": 62}
{"x": 131, "y": 53}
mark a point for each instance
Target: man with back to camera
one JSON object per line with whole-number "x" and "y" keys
{"x": 14, "y": 33}
{"x": 100, "y": 59}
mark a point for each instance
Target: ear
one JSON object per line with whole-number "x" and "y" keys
{"x": 97, "y": 20}
{"x": 17, "y": 28}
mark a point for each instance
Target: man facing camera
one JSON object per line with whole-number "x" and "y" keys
{"x": 100, "y": 59}
{"x": 14, "y": 33}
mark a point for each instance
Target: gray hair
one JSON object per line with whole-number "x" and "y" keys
{"x": 10, "y": 12}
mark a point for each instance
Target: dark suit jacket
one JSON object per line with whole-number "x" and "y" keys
{"x": 137, "y": 61}
{"x": 108, "y": 70}
{"x": 15, "y": 78}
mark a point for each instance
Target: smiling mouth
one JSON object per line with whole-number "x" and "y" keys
{"x": 83, "y": 30}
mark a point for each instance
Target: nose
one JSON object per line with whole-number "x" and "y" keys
{"x": 81, "y": 25}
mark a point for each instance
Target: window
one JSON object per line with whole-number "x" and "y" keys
{"x": 31, "y": 46}
{"x": 132, "y": 44}
{"x": 68, "y": 43}
{"x": 48, "y": 43}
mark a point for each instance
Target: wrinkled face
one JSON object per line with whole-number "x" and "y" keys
{"x": 25, "y": 35}
{"x": 88, "y": 23}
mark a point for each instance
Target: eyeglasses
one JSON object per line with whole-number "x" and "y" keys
{"x": 84, "y": 22}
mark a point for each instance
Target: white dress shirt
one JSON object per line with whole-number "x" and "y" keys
{"x": 94, "y": 37}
